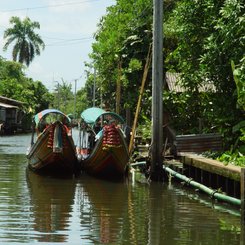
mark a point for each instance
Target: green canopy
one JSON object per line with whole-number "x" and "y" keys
{"x": 90, "y": 115}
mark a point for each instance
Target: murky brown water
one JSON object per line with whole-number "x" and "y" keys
{"x": 37, "y": 209}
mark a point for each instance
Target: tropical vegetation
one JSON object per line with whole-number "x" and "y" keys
{"x": 201, "y": 39}
{"x": 203, "y": 42}
{"x": 14, "y": 84}
{"x": 26, "y": 42}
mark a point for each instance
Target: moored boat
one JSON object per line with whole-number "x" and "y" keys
{"x": 103, "y": 150}
{"x": 52, "y": 148}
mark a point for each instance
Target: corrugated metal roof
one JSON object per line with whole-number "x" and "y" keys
{"x": 10, "y": 101}
{"x": 172, "y": 80}
{"x": 173, "y": 83}
{"x": 7, "y": 105}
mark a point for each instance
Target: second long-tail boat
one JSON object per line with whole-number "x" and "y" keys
{"x": 52, "y": 149}
{"x": 103, "y": 150}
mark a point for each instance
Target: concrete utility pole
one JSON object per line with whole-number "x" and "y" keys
{"x": 157, "y": 88}
{"x": 75, "y": 94}
{"x": 94, "y": 89}
{"x": 58, "y": 92}
{"x": 242, "y": 237}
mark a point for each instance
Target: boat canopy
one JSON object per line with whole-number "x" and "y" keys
{"x": 41, "y": 115}
{"x": 91, "y": 115}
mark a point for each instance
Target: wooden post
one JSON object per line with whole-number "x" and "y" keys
{"x": 242, "y": 238}
{"x": 146, "y": 68}
{"x": 157, "y": 89}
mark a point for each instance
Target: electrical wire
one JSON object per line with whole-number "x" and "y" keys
{"x": 69, "y": 42}
{"x": 48, "y": 6}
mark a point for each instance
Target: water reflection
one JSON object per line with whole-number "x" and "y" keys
{"x": 14, "y": 144}
{"x": 44, "y": 210}
{"x": 14, "y": 199}
{"x": 102, "y": 209}
{"x": 51, "y": 200}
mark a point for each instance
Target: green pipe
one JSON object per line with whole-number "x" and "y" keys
{"x": 209, "y": 191}
{"x": 213, "y": 193}
{"x": 137, "y": 163}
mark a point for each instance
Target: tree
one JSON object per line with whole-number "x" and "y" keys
{"x": 122, "y": 42}
{"x": 120, "y": 50}
{"x": 27, "y": 43}
{"x": 209, "y": 35}
{"x": 63, "y": 97}
{"x": 15, "y": 85}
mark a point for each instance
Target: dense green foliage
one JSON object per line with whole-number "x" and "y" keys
{"x": 36, "y": 97}
{"x": 120, "y": 50}
{"x": 210, "y": 35}
{"x": 14, "y": 84}
{"x": 26, "y": 43}
{"x": 204, "y": 42}
{"x": 201, "y": 39}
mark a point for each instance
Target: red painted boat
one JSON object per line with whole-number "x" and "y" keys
{"x": 103, "y": 150}
{"x": 53, "y": 151}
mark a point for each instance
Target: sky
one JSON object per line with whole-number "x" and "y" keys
{"x": 66, "y": 27}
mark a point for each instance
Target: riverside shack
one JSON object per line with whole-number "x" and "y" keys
{"x": 11, "y": 114}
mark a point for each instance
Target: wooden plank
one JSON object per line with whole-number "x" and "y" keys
{"x": 212, "y": 166}
{"x": 199, "y": 143}
{"x": 146, "y": 68}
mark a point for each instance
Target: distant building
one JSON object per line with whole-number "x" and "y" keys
{"x": 11, "y": 114}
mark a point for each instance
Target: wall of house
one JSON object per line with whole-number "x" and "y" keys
{"x": 2, "y": 114}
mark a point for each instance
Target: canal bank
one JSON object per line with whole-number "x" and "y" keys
{"x": 225, "y": 183}
{"x": 220, "y": 181}
{"x": 209, "y": 172}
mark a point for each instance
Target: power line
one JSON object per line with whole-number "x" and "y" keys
{"x": 48, "y": 6}
{"x": 66, "y": 39}
{"x": 69, "y": 42}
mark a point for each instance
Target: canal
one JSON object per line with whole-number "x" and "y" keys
{"x": 37, "y": 209}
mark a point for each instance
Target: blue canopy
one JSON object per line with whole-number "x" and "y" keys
{"x": 90, "y": 115}
{"x": 46, "y": 112}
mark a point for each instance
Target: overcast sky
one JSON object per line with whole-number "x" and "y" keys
{"x": 67, "y": 28}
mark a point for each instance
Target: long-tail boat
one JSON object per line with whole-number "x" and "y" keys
{"x": 103, "y": 150}
{"x": 52, "y": 148}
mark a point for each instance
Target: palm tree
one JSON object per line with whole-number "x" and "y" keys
{"x": 27, "y": 44}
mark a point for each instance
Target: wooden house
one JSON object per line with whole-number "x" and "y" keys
{"x": 11, "y": 114}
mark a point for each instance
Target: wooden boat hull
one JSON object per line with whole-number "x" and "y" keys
{"x": 44, "y": 156}
{"x": 108, "y": 160}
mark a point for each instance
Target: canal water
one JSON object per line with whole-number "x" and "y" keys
{"x": 84, "y": 210}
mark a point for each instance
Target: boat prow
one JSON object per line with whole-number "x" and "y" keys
{"x": 53, "y": 151}
{"x": 105, "y": 153}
